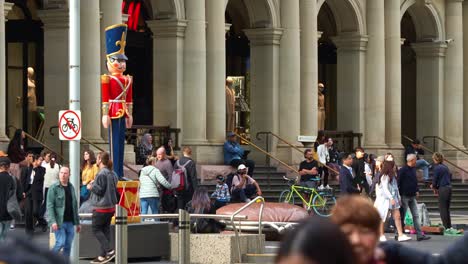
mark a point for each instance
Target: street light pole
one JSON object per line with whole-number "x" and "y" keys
{"x": 74, "y": 104}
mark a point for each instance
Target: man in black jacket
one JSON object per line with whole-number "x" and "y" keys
{"x": 409, "y": 191}
{"x": 7, "y": 189}
{"x": 32, "y": 181}
{"x": 347, "y": 183}
{"x": 359, "y": 170}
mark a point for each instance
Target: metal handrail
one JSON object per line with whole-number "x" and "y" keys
{"x": 268, "y": 154}
{"x": 101, "y": 149}
{"x": 292, "y": 146}
{"x": 172, "y": 216}
{"x": 432, "y": 152}
{"x": 40, "y": 143}
{"x": 445, "y": 141}
{"x": 260, "y": 215}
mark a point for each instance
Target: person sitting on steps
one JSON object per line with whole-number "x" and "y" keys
{"x": 243, "y": 186}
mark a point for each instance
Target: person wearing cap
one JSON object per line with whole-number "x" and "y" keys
{"x": 234, "y": 153}
{"x": 116, "y": 90}
{"x": 416, "y": 148}
{"x": 221, "y": 195}
{"x": 7, "y": 190}
{"x": 243, "y": 186}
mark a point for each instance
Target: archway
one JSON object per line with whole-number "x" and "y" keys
{"x": 327, "y": 59}
{"x": 421, "y": 69}
{"x": 341, "y": 62}
{"x": 24, "y": 48}
{"x": 241, "y": 15}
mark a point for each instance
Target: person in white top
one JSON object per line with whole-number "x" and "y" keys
{"x": 388, "y": 198}
{"x": 324, "y": 158}
{"x": 52, "y": 170}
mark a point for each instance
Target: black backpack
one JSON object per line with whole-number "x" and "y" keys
{"x": 229, "y": 179}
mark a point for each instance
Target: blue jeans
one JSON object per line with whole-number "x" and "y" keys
{"x": 4, "y": 226}
{"x": 152, "y": 202}
{"x": 64, "y": 238}
{"x": 409, "y": 202}
{"x": 424, "y": 166}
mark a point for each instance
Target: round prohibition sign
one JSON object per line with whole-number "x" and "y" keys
{"x": 67, "y": 123}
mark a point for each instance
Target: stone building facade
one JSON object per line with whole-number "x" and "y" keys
{"x": 397, "y": 67}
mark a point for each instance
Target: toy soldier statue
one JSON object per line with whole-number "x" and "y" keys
{"x": 117, "y": 102}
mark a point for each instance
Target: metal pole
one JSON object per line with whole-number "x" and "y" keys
{"x": 121, "y": 242}
{"x": 74, "y": 102}
{"x": 184, "y": 237}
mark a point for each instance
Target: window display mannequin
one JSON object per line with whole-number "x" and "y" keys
{"x": 321, "y": 107}
{"x": 230, "y": 105}
{"x": 32, "y": 99}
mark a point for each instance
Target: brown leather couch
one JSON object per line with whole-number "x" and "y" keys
{"x": 272, "y": 212}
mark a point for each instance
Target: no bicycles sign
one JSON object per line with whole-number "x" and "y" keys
{"x": 70, "y": 125}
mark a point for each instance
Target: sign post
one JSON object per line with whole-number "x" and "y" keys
{"x": 70, "y": 125}
{"x": 74, "y": 105}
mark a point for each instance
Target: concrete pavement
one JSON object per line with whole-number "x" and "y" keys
{"x": 436, "y": 245}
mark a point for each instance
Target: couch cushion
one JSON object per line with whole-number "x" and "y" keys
{"x": 272, "y": 212}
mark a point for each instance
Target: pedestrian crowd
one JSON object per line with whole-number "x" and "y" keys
{"x": 37, "y": 188}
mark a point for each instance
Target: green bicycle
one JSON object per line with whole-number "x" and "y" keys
{"x": 321, "y": 202}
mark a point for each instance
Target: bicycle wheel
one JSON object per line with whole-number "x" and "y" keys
{"x": 323, "y": 204}
{"x": 286, "y": 197}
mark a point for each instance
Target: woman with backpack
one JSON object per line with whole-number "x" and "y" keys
{"x": 150, "y": 181}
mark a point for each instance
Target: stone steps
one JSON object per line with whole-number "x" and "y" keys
{"x": 272, "y": 184}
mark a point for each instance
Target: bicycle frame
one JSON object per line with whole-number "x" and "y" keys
{"x": 296, "y": 189}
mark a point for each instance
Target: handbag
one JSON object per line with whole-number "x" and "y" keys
{"x": 13, "y": 207}
{"x": 84, "y": 193}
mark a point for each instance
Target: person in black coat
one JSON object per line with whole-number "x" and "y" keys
{"x": 32, "y": 181}
{"x": 359, "y": 170}
{"x": 347, "y": 183}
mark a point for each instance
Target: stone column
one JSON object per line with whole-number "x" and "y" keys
{"x": 56, "y": 27}
{"x": 4, "y": 9}
{"x": 168, "y": 60}
{"x": 194, "y": 82}
{"x": 309, "y": 66}
{"x": 351, "y": 75}
{"x": 90, "y": 70}
{"x": 453, "y": 93}
{"x": 393, "y": 74}
{"x": 465, "y": 72}
{"x": 111, "y": 14}
{"x": 430, "y": 88}
{"x": 374, "y": 103}
{"x": 264, "y": 72}
{"x": 290, "y": 72}
{"x": 215, "y": 71}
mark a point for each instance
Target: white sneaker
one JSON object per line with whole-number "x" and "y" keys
{"x": 403, "y": 238}
{"x": 12, "y": 227}
{"x": 328, "y": 187}
{"x": 321, "y": 187}
{"x": 382, "y": 238}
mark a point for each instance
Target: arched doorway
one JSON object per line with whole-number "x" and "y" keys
{"x": 342, "y": 63}
{"x": 422, "y": 56}
{"x": 327, "y": 63}
{"x": 24, "y": 53}
{"x": 238, "y": 64}
{"x": 139, "y": 51}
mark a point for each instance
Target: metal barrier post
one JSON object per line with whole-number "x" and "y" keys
{"x": 184, "y": 237}
{"x": 121, "y": 242}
